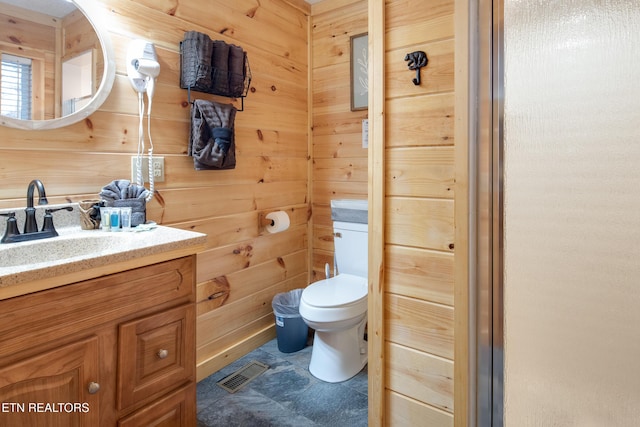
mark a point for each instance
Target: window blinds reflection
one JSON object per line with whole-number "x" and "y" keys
{"x": 15, "y": 87}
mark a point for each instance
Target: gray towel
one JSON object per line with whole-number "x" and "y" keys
{"x": 122, "y": 193}
{"x": 197, "y": 51}
{"x": 236, "y": 70}
{"x": 220, "y": 64}
{"x": 122, "y": 189}
{"x": 212, "y": 139}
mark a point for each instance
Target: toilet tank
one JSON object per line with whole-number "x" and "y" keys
{"x": 350, "y": 236}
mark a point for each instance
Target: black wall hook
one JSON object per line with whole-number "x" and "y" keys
{"x": 416, "y": 60}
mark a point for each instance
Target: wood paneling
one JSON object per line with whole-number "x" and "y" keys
{"x": 436, "y": 77}
{"x": 231, "y": 258}
{"x": 29, "y": 31}
{"x": 414, "y": 291}
{"x": 272, "y": 152}
{"x": 420, "y": 273}
{"x": 419, "y": 324}
{"x": 339, "y": 161}
{"x": 376, "y": 281}
{"x": 229, "y": 325}
{"x": 424, "y": 172}
{"x": 420, "y": 222}
{"x": 405, "y": 411}
{"x": 332, "y": 30}
{"x": 420, "y": 121}
{"x": 406, "y": 13}
{"x": 466, "y": 276}
{"x": 420, "y": 376}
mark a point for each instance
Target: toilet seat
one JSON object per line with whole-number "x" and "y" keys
{"x": 339, "y": 298}
{"x": 343, "y": 289}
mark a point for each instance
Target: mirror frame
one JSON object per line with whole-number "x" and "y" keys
{"x": 91, "y": 13}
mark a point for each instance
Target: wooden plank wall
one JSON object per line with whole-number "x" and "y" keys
{"x": 419, "y": 237}
{"x": 466, "y": 275}
{"x": 243, "y": 267}
{"x": 37, "y": 36}
{"x": 419, "y": 191}
{"x": 339, "y": 161}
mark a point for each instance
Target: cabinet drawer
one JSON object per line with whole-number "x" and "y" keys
{"x": 155, "y": 355}
{"x": 86, "y": 305}
{"x": 178, "y": 409}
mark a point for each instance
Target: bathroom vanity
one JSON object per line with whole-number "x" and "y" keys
{"x": 102, "y": 339}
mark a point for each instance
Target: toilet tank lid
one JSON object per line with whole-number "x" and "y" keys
{"x": 349, "y": 210}
{"x": 350, "y": 204}
{"x": 339, "y": 290}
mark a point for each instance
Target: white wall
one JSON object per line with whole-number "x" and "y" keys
{"x": 572, "y": 213}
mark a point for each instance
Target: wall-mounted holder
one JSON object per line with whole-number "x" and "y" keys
{"x": 415, "y": 61}
{"x": 264, "y": 221}
{"x": 274, "y": 222}
{"x": 213, "y": 66}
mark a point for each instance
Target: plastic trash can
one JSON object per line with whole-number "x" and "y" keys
{"x": 291, "y": 331}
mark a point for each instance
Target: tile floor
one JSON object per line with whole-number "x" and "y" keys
{"x": 285, "y": 395}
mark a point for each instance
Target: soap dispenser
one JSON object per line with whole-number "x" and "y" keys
{"x": 12, "y": 227}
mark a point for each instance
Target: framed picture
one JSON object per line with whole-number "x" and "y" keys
{"x": 359, "y": 72}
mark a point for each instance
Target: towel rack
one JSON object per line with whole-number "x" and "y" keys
{"x": 218, "y": 82}
{"x": 241, "y": 97}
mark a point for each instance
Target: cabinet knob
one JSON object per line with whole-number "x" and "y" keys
{"x": 162, "y": 353}
{"x": 93, "y": 388}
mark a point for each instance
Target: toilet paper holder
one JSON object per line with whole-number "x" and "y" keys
{"x": 264, "y": 221}
{"x": 274, "y": 222}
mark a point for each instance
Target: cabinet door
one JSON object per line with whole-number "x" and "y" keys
{"x": 57, "y": 388}
{"x": 178, "y": 409}
{"x": 155, "y": 355}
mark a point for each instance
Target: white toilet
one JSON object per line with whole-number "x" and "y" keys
{"x": 337, "y": 307}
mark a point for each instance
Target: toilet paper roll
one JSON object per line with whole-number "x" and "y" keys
{"x": 279, "y": 221}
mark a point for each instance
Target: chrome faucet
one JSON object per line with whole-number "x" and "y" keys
{"x": 30, "y": 224}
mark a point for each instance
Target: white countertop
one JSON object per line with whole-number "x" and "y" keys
{"x": 77, "y": 255}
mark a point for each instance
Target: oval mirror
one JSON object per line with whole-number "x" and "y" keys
{"x": 57, "y": 63}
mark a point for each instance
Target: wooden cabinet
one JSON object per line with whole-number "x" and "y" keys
{"x": 118, "y": 350}
{"x": 54, "y": 388}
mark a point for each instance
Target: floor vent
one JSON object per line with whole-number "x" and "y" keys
{"x": 242, "y": 376}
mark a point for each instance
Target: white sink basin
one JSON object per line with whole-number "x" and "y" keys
{"x": 57, "y": 249}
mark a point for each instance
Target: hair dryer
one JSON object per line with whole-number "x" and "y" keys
{"x": 150, "y": 69}
{"x": 142, "y": 69}
{"x": 142, "y": 66}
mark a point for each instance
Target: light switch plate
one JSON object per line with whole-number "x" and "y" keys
{"x": 158, "y": 169}
{"x": 365, "y": 133}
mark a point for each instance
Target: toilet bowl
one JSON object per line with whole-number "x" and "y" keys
{"x": 337, "y": 309}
